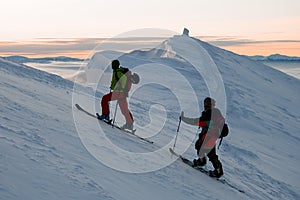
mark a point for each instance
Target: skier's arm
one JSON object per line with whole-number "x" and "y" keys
{"x": 113, "y": 81}
{"x": 191, "y": 121}
{"x": 194, "y": 121}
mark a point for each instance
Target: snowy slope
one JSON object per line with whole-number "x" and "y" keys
{"x": 50, "y": 150}
{"x": 42, "y": 156}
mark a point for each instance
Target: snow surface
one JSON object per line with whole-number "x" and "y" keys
{"x": 50, "y": 150}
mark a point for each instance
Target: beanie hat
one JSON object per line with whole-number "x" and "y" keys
{"x": 209, "y": 103}
{"x": 115, "y": 64}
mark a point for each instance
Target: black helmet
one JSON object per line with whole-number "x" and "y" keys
{"x": 115, "y": 64}
{"x": 209, "y": 103}
{"x": 134, "y": 78}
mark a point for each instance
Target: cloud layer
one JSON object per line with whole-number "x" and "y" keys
{"x": 84, "y": 47}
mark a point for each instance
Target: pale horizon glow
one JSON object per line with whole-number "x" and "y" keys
{"x": 24, "y": 21}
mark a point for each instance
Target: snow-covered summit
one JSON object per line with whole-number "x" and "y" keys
{"x": 43, "y": 157}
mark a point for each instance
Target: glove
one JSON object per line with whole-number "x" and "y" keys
{"x": 181, "y": 115}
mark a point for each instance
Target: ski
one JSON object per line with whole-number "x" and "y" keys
{"x": 204, "y": 171}
{"x": 132, "y": 132}
{"x": 113, "y": 125}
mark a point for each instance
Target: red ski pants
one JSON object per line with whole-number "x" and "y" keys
{"x": 122, "y": 101}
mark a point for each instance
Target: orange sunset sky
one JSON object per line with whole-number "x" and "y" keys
{"x": 36, "y": 28}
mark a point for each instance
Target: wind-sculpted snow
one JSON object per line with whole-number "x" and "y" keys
{"x": 43, "y": 155}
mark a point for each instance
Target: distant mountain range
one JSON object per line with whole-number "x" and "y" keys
{"x": 23, "y": 59}
{"x": 275, "y": 57}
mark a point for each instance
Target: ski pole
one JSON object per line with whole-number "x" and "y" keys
{"x": 177, "y": 131}
{"x": 112, "y": 125}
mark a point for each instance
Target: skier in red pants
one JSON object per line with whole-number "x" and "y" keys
{"x": 120, "y": 93}
{"x": 122, "y": 101}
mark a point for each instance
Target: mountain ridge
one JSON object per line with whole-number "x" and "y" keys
{"x": 276, "y": 57}
{"x": 23, "y": 59}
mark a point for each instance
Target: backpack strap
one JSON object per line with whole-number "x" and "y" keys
{"x": 220, "y": 142}
{"x": 118, "y": 82}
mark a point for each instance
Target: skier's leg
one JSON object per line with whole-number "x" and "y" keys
{"x": 125, "y": 111}
{"x": 213, "y": 158}
{"x": 104, "y": 103}
{"x": 201, "y": 161}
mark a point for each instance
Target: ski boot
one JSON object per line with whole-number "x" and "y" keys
{"x": 200, "y": 162}
{"x": 127, "y": 127}
{"x": 217, "y": 173}
{"x": 103, "y": 117}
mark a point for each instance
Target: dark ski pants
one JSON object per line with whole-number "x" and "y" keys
{"x": 211, "y": 154}
{"x": 213, "y": 158}
{"x": 122, "y": 101}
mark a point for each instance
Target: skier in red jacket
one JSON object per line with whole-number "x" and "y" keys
{"x": 211, "y": 122}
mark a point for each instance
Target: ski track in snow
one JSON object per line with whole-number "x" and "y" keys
{"x": 42, "y": 157}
